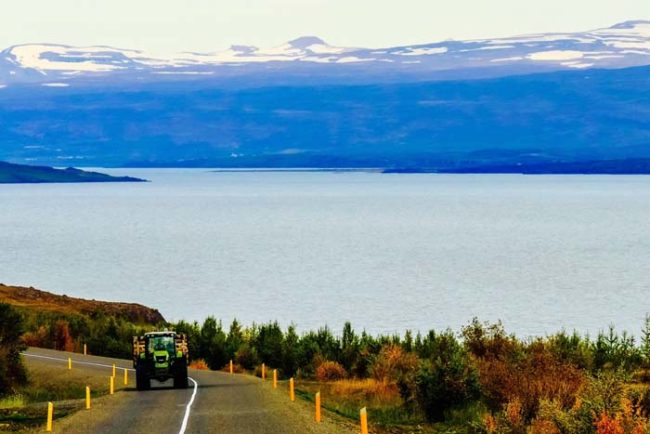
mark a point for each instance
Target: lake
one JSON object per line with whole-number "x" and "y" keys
{"x": 387, "y": 252}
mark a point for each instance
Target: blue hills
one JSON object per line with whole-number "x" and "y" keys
{"x": 566, "y": 116}
{"x": 536, "y": 100}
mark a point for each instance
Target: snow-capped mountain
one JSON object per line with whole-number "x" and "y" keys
{"x": 546, "y": 98}
{"x": 623, "y": 45}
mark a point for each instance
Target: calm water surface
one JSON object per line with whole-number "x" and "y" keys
{"x": 388, "y": 252}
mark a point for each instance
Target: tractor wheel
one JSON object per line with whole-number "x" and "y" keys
{"x": 180, "y": 376}
{"x": 142, "y": 381}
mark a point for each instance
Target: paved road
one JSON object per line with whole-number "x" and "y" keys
{"x": 223, "y": 403}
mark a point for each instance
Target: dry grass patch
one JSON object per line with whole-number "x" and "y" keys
{"x": 347, "y": 397}
{"x": 371, "y": 391}
{"x": 199, "y": 365}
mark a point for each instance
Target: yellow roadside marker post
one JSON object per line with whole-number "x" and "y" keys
{"x": 318, "y": 407}
{"x": 87, "y": 398}
{"x": 263, "y": 371}
{"x": 126, "y": 377}
{"x": 50, "y": 415}
{"x": 231, "y": 370}
{"x": 113, "y": 369}
{"x": 364, "y": 421}
{"x": 111, "y": 385}
{"x": 69, "y": 363}
{"x": 275, "y": 378}
{"x": 85, "y": 350}
{"x": 292, "y": 394}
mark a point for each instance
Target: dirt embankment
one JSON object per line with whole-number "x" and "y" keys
{"x": 32, "y": 298}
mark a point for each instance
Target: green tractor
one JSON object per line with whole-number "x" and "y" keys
{"x": 160, "y": 356}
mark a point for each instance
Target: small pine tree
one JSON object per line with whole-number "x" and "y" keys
{"x": 212, "y": 343}
{"x": 349, "y": 347}
{"x": 645, "y": 342}
{"x": 234, "y": 339}
{"x": 290, "y": 351}
{"x": 408, "y": 341}
{"x": 268, "y": 344}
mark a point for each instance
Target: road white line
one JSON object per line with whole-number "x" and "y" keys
{"x": 189, "y": 406}
{"x": 102, "y": 365}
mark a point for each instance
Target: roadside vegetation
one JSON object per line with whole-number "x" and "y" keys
{"x": 479, "y": 380}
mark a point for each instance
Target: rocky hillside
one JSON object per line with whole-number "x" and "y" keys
{"x": 42, "y": 301}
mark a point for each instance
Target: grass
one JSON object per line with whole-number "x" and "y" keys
{"x": 31, "y": 416}
{"x": 377, "y": 393}
{"x": 13, "y": 401}
{"x": 57, "y": 383}
{"x": 27, "y": 409}
{"x": 386, "y": 412}
{"x": 346, "y": 397}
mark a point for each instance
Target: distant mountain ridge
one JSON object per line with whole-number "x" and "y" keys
{"x": 622, "y": 45}
{"x": 560, "y": 116}
{"x": 525, "y": 100}
{"x": 631, "y": 166}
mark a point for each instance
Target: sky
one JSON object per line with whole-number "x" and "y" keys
{"x": 171, "y": 26}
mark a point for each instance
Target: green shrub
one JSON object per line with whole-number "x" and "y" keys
{"x": 246, "y": 356}
{"x": 446, "y": 380}
{"x": 12, "y": 371}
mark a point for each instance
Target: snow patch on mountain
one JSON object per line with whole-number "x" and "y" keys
{"x": 310, "y": 49}
{"x": 537, "y": 38}
{"x": 352, "y": 59}
{"x": 489, "y": 47}
{"x": 623, "y": 45}
{"x": 184, "y": 72}
{"x": 507, "y": 59}
{"x": 645, "y": 45}
{"x": 326, "y": 49}
{"x": 424, "y": 51}
{"x": 578, "y": 65}
{"x": 63, "y": 58}
{"x": 55, "y": 84}
{"x": 555, "y": 55}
